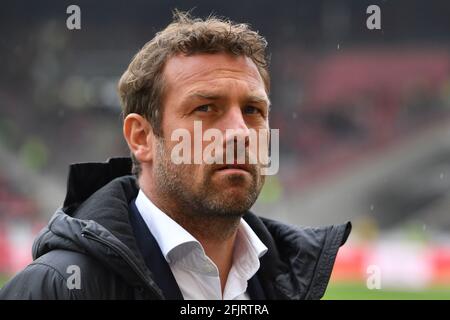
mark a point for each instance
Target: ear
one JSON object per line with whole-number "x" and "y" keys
{"x": 139, "y": 136}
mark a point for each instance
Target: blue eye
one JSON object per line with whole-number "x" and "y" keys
{"x": 251, "y": 110}
{"x": 204, "y": 108}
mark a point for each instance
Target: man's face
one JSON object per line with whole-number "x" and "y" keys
{"x": 223, "y": 92}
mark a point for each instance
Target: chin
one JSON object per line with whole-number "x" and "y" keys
{"x": 239, "y": 197}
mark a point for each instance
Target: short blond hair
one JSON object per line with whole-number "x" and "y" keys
{"x": 141, "y": 87}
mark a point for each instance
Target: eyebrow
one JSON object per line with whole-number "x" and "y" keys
{"x": 214, "y": 96}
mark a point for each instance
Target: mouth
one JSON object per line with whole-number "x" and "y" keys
{"x": 234, "y": 168}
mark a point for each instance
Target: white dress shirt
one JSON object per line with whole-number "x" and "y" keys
{"x": 196, "y": 274}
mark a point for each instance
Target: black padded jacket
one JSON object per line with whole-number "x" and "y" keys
{"x": 92, "y": 231}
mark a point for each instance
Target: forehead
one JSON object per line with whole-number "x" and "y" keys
{"x": 204, "y": 69}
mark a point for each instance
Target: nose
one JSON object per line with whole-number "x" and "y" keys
{"x": 234, "y": 126}
{"x": 237, "y": 136}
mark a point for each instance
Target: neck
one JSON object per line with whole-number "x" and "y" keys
{"x": 217, "y": 237}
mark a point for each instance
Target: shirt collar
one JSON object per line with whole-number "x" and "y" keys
{"x": 247, "y": 251}
{"x": 168, "y": 234}
{"x": 173, "y": 239}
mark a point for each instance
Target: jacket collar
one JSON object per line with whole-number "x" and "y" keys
{"x": 86, "y": 178}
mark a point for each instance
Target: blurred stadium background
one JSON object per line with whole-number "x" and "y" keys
{"x": 364, "y": 119}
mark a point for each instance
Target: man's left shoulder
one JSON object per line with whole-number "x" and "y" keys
{"x": 301, "y": 259}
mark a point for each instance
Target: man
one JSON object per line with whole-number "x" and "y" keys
{"x": 179, "y": 230}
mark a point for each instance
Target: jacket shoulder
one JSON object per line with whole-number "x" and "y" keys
{"x": 309, "y": 255}
{"x": 62, "y": 274}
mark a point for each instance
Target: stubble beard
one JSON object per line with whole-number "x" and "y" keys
{"x": 207, "y": 200}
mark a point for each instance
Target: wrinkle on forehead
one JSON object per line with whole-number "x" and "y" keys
{"x": 182, "y": 69}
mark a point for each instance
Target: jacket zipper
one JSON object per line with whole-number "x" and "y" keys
{"x": 92, "y": 236}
